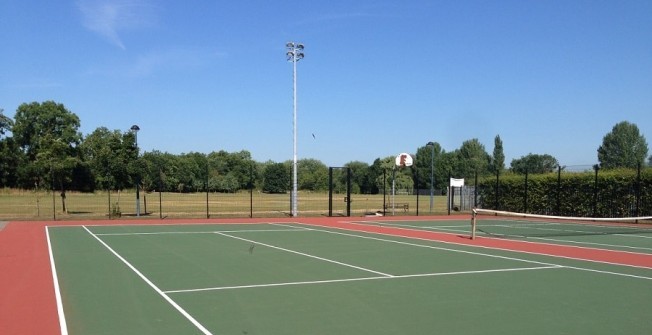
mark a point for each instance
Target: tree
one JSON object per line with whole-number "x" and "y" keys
{"x": 533, "y": 163}
{"x": 423, "y": 164}
{"x": 161, "y": 171}
{"x": 238, "y": 165}
{"x": 10, "y": 157}
{"x": 276, "y": 178}
{"x": 5, "y": 123}
{"x": 193, "y": 174}
{"x": 108, "y": 154}
{"x": 48, "y": 135}
{"x": 313, "y": 175}
{"x": 471, "y": 158}
{"x": 360, "y": 177}
{"x": 498, "y": 159}
{"x": 624, "y": 146}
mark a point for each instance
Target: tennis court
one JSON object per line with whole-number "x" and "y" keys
{"x": 307, "y": 278}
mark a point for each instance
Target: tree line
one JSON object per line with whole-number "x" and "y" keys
{"x": 42, "y": 148}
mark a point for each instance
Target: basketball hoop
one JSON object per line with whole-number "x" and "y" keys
{"x": 404, "y": 160}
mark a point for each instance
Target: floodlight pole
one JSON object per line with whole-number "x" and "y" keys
{"x": 294, "y": 54}
{"x": 432, "y": 174}
{"x": 135, "y": 130}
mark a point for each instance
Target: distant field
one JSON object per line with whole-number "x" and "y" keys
{"x": 44, "y": 205}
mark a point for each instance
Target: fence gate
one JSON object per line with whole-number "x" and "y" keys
{"x": 345, "y": 202}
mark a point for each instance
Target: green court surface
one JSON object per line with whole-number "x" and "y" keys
{"x": 300, "y": 279}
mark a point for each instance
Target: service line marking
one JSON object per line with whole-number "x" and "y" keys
{"x": 360, "y": 279}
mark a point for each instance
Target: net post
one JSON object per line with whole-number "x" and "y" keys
{"x": 473, "y": 223}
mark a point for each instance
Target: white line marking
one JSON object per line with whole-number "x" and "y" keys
{"x": 590, "y": 243}
{"x": 202, "y": 232}
{"x": 57, "y": 293}
{"x": 306, "y": 255}
{"x": 161, "y": 293}
{"x": 496, "y": 256}
{"x": 609, "y": 272}
{"x": 430, "y": 246}
{"x": 360, "y": 279}
{"x": 457, "y": 229}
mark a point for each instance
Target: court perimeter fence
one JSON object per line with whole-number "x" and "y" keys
{"x": 567, "y": 192}
{"x": 50, "y": 205}
{"x": 575, "y": 192}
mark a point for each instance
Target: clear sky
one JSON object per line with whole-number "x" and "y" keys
{"x": 378, "y": 78}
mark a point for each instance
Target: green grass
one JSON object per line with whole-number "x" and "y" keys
{"x": 44, "y": 205}
{"x": 322, "y": 281}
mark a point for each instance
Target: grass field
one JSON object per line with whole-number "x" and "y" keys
{"x": 298, "y": 278}
{"x": 43, "y": 205}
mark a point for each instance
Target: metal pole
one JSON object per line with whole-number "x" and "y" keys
{"x": 294, "y": 125}
{"x": 432, "y": 175}
{"x": 160, "y": 196}
{"x": 638, "y": 190}
{"x": 558, "y": 190}
{"x": 416, "y": 184}
{"x": 54, "y": 202}
{"x": 384, "y": 192}
{"x": 330, "y": 191}
{"x": 251, "y": 191}
{"x": 393, "y": 190}
{"x": 525, "y": 197}
{"x": 295, "y": 53}
{"x": 208, "y": 213}
{"x": 135, "y": 129}
{"x": 109, "y": 191}
{"x": 595, "y": 191}
{"x": 348, "y": 192}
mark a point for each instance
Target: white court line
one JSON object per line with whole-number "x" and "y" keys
{"x": 494, "y": 256}
{"x": 202, "y": 232}
{"x": 219, "y": 288}
{"x": 307, "y": 255}
{"x": 62, "y": 317}
{"x": 426, "y": 246}
{"x": 153, "y": 286}
{"x": 459, "y": 229}
{"x": 590, "y": 243}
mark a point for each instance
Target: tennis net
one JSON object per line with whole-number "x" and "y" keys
{"x": 493, "y": 223}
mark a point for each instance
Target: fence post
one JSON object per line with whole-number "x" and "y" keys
{"x": 416, "y": 186}
{"x": 638, "y": 190}
{"x": 526, "y": 192}
{"x": 348, "y": 191}
{"x": 497, "y": 189}
{"x": 208, "y": 213}
{"x": 384, "y": 190}
{"x": 54, "y": 202}
{"x": 596, "y": 167}
{"x": 451, "y": 193}
{"x": 251, "y": 191}
{"x": 558, "y": 190}
{"x": 475, "y": 191}
{"x": 109, "y": 192}
{"x": 160, "y": 197}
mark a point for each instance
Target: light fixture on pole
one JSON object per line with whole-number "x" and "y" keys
{"x": 432, "y": 173}
{"x": 135, "y": 130}
{"x": 294, "y": 54}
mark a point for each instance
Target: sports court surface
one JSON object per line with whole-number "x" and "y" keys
{"x": 321, "y": 276}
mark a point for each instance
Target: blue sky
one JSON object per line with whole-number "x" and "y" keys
{"x": 379, "y": 77}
